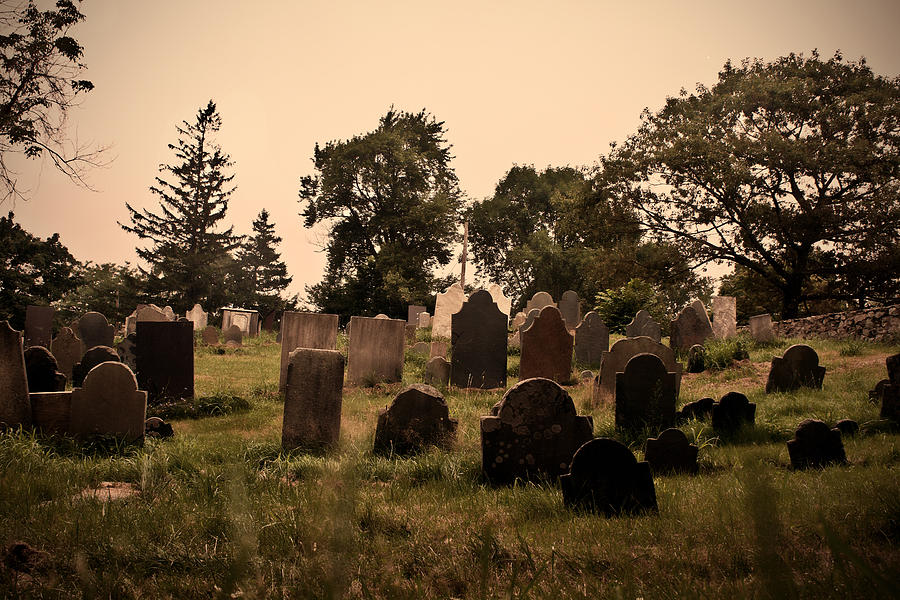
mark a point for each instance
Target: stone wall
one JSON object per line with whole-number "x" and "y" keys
{"x": 880, "y": 324}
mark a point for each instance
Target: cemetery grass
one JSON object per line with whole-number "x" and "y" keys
{"x": 221, "y": 511}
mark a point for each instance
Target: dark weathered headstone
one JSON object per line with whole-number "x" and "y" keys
{"x": 761, "y": 329}
{"x": 732, "y": 411}
{"x": 66, "y": 348}
{"x": 532, "y": 433}
{"x": 690, "y": 327}
{"x": 591, "y": 340}
{"x": 268, "y": 321}
{"x": 15, "y": 406}
{"x": 645, "y": 393}
{"x": 698, "y": 409}
{"x": 417, "y": 418}
{"x": 41, "y": 369}
{"x": 94, "y": 330}
{"x": 92, "y": 358}
{"x": 312, "y": 399}
{"x": 437, "y": 371}
{"x": 165, "y": 359}
{"x": 51, "y": 411}
{"x": 410, "y": 334}
{"x": 606, "y": 478}
{"x": 671, "y": 452}
{"x": 412, "y": 314}
{"x": 154, "y": 427}
{"x": 696, "y": 360}
{"x": 847, "y": 427}
{"x": 210, "y": 335}
{"x": 376, "y": 350}
{"x": 799, "y": 367}
{"x": 893, "y": 368}
{"x": 233, "y": 334}
{"x": 614, "y": 361}
{"x": 478, "y": 344}
{"x": 570, "y": 308}
{"x": 890, "y": 402}
{"x": 816, "y": 445}
{"x": 127, "y": 351}
{"x": 547, "y": 348}
{"x": 643, "y": 325}
{"x": 305, "y": 330}
{"x": 38, "y": 325}
{"x": 438, "y": 348}
{"x": 109, "y": 402}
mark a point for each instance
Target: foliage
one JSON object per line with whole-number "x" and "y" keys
{"x": 108, "y": 288}
{"x": 264, "y": 273}
{"x": 720, "y": 354}
{"x": 617, "y": 307}
{"x": 390, "y": 201}
{"x": 196, "y": 408}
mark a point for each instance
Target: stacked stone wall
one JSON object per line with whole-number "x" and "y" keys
{"x": 880, "y": 324}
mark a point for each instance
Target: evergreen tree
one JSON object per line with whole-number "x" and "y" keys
{"x": 265, "y": 273}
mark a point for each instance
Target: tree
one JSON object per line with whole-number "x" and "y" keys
{"x": 788, "y": 169}
{"x": 39, "y": 68}
{"x": 265, "y": 273}
{"x": 108, "y": 288}
{"x": 391, "y": 202}
{"x": 189, "y": 260}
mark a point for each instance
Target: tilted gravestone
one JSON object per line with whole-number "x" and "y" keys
{"x": 15, "y": 406}
{"x": 94, "y": 330}
{"x": 606, "y": 478}
{"x": 614, "y": 361}
{"x": 376, "y": 350}
{"x": 198, "y": 317}
{"x": 210, "y": 335}
{"x": 41, "y": 369}
{"x": 127, "y": 351}
{"x": 38, "y": 325}
{"x": 437, "y": 371}
{"x": 591, "y": 340}
{"x": 816, "y": 445}
{"x": 671, "y": 452}
{"x": 570, "y": 308}
{"x": 532, "y": 433}
{"x": 438, "y": 348}
{"x": 539, "y": 301}
{"x": 66, "y": 348}
{"x": 547, "y": 348}
{"x": 799, "y": 367}
{"x": 109, "y": 403}
{"x": 305, "y": 330}
{"x": 92, "y": 358}
{"x": 645, "y": 393}
{"x": 643, "y": 325}
{"x": 424, "y": 320}
{"x": 478, "y": 344}
{"x": 724, "y": 322}
{"x": 761, "y": 329}
{"x": 165, "y": 359}
{"x": 312, "y": 399}
{"x": 233, "y": 334}
{"x": 445, "y": 306}
{"x": 417, "y": 418}
{"x": 412, "y": 314}
{"x": 698, "y": 409}
{"x": 502, "y": 302}
{"x": 732, "y": 411}
{"x": 690, "y": 327}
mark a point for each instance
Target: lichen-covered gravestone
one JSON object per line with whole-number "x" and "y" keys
{"x": 645, "y": 393}
{"x": 614, "y": 361}
{"x": 690, "y": 327}
{"x": 732, "y": 411}
{"x": 478, "y": 344}
{"x": 165, "y": 359}
{"x": 591, "y": 340}
{"x": 417, "y": 418}
{"x": 15, "y": 406}
{"x": 437, "y": 371}
{"x": 547, "y": 348}
{"x": 305, "y": 330}
{"x": 42, "y": 371}
{"x": 92, "y": 358}
{"x": 643, "y": 325}
{"x": 127, "y": 351}
{"x": 38, "y": 325}
{"x": 532, "y": 433}
{"x": 109, "y": 403}
{"x": 724, "y": 322}
{"x": 376, "y": 350}
{"x": 570, "y": 308}
{"x": 761, "y": 329}
{"x": 312, "y": 399}
{"x": 671, "y": 452}
{"x": 66, "y": 349}
{"x": 816, "y": 445}
{"x": 606, "y": 478}
{"x": 799, "y": 367}
{"x": 445, "y": 306}
{"x": 94, "y": 330}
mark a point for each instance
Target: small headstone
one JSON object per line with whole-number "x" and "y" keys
{"x": 690, "y": 327}
{"x": 66, "y": 348}
{"x": 698, "y": 409}
{"x": 127, "y": 351}
{"x": 724, "y": 310}
{"x": 570, "y": 308}
{"x": 847, "y": 427}
{"x": 622, "y": 351}
{"x": 696, "y": 359}
{"x": 671, "y": 452}
{"x": 198, "y": 317}
{"x": 109, "y": 403}
{"x": 539, "y": 301}
{"x": 94, "y": 330}
{"x": 210, "y": 335}
{"x": 38, "y": 325}
{"x": 410, "y": 334}
{"x": 606, "y": 478}
{"x": 815, "y": 445}
{"x": 732, "y": 411}
{"x": 233, "y": 334}
{"x": 376, "y": 350}
{"x": 645, "y": 393}
{"x": 799, "y": 367}
{"x": 312, "y": 399}
{"x": 424, "y": 320}
{"x": 381, "y": 316}
{"x": 413, "y": 312}
{"x": 438, "y": 348}
{"x": 518, "y": 320}
{"x": 445, "y": 306}
{"x": 591, "y": 340}
{"x": 305, "y": 330}
{"x": 478, "y": 344}
{"x": 417, "y": 418}
{"x": 165, "y": 360}
{"x": 587, "y": 376}
{"x": 893, "y": 368}
{"x": 761, "y": 329}
{"x": 643, "y": 325}
{"x": 41, "y": 369}
{"x": 547, "y": 348}
{"x": 422, "y": 348}
{"x": 502, "y": 302}
{"x": 15, "y": 406}
{"x": 51, "y": 412}
{"x": 437, "y": 371}
{"x": 154, "y": 427}
{"x": 93, "y": 357}
{"x": 890, "y": 402}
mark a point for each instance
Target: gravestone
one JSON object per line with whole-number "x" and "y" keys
{"x": 417, "y": 418}
{"x": 424, "y": 320}
{"x": 305, "y": 330}
{"x": 622, "y": 351}
{"x": 478, "y": 344}
{"x": 698, "y": 409}
{"x": 165, "y": 359}
{"x": 761, "y": 329}
{"x": 41, "y": 371}
{"x": 591, "y": 340}
{"x": 437, "y": 371}
{"x": 815, "y": 445}
{"x": 210, "y": 335}
{"x": 539, "y": 301}
{"x": 90, "y": 359}
{"x": 423, "y": 348}
{"x": 893, "y": 368}
{"x": 529, "y": 318}
{"x": 690, "y": 327}
{"x": 847, "y": 427}
{"x": 198, "y": 317}
{"x": 94, "y": 330}
{"x": 170, "y": 314}
{"x": 268, "y": 321}
{"x": 144, "y": 312}
{"x": 38, "y": 325}
{"x": 696, "y": 359}
{"x": 15, "y": 406}
{"x": 109, "y": 403}
{"x": 247, "y": 320}
{"x": 154, "y": 427}
{"x": 570, "y": 308}
{"x": 547, "y": 348}
{"x": 127, "y": 351}
{"x": 645, "y": 393}
{"x": 643, "y": 325}
{"x": 671, "y": 452}
{"x": 413, "y": 312}
{"x": 438, "y": 348}
{"x": 51, "y": 411}
{"x": 799, "y": 367}
{"x": 66, "y": 348}
{"x": 313, "y": 393}
{"x": 586, "y": 375}
{"x": 446, "y": 305}
{"x": 732, "y": 411}
{"x": 724, "y": 310}
{"x": 518, "y": 320}
{"x": 381, "y": 316}
{"x": 410, "y": 334}
{"x": 890, "y": 392}
{"x": 606, "y": 478}
{"x": 376, "y": 350}
{"x": 233, "y": 334}
{"x": 502, "y": 302}
{"x": 532, "y": 433}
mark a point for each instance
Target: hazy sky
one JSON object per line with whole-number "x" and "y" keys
{"x": 542, "y": 83}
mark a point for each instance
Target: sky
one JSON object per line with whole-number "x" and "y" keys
{"x": 539, "y": 83}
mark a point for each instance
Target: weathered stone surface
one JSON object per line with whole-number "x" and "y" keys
{"x": 210, "y": 335}
{"x": 66, "y": 348}
{"x": 170, "y": 314}
{"x": 51, "y": 411}
{"x": 145, "y": 312}
{"x": 92, "y": 358}
{"x": 502, "y": 302}
{"x": 815, "y": 445}
{"x": 165, "y": 359}
{"x": 233, "y": 334}
{"x": 724, "y": 310}
{"x": 376, "y": 350}
{"x": 532, "y": 433}
{"x": 154, "y": 427}
{"x": 591, "y": 340}
{"x": 698, "y": 409}
{"x": 305, "y": 330}
{"x": 732, "y": 411}
{"x": 38, "y": 325}
{"x": 878, "y": 324}
{"x": 547, "y": 348}
{"x": 41, "y": 370}
{"x": 570, "y": 308}
{"x": 519, "y": 320}
{"x": 424, "y": 320}
{"x": 607, "y": 479}
{"x": 437, "y": 371}
{"x": 198, "y": 317}
{"x": 690, "y": 327}
{"x": 799, "y": 367}
{"x": 671, "y": 452}
{"x": 761, "y": 328}
{"x": 423, "y": 348}
{"x": 847, "y": 427}
{"x": 15, "y": 406}
{"x": 109, "y": 403}
{"x": 643, "y": 325}
{"x": 587, "y": 375}
{"x": 246, "y": 320}
{"x": 127, "y": 351}
{"x": 529, "y": 318}
{"x": 614, "y": 361}
{"x": 645, "y": 393}
{"x": 94, "y": 330}
{"x": 539, "y": 301}
{"x": 890, "y": 402}
{"x": 312, "y": 399}
{"x": 417, "y": 418}
{"x": 438, "y": 348}
{"x": 381, "y": 316}
{"x": 446, "y": 305}
{"x": 478, "y": 344}
{"x": 514, "y": 340}
{"x": 413, "y": 311}
{"x": 696, "y": 360}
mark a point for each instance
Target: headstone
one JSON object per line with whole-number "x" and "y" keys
{"x": 410, "y": 334}
{"x": 109, "y": 403}
{"x": 671, "y": 452}
{"x": 170, "y": 314}
{"x": 518, "y": 320}
{"x": 698, "y": 409}
{"x": 437, "y": 371}
{"x": 529, "y": 318}
{"x": 890, "y": 392}
{"x": 154, "y": 427}
{"x": 66, "y": 348}
{"x": 547, "y": 348}
{"x": 847, "y": 427}
{"x": 446, "y": 305}
{"x": 606, "y": 478}
{"x": 732, "y": 411}
{"x": 591, "y": 340}
{"x": 424, "y": 320}
{"x": 51, "y": 411}
{"x": 893, "y": 368}
{"x": 305, "y": 330}
{"x": 165, "y": 360}
{"x": 799, "y": 367}
{"x": 761, "y": 329}
{"x": 198, "y": 317}
{"x": 539, "y": 301}
{"x": 645, "y": 393}
{"x": 438, "y": 348}
{"x": 724, "y": 310}
{"x": 376, "y": 350}
{"x": 502, "y": 302}
{"x": 268, "y": 322}
{"x": 312, "y": 399}
{"x": 690, "y": 327}
{"x": 643, "y": 325}
{"x": 622, "y": 351}
{"x": 417, "y": 418}
{"x": 144, "y": 312}
{"x": 478, "y": 344}
{"x": 815, "y": 445}
{"x": 413, "y": 312}
{"x": 423, "y": 348}
{"x": 38, "y": 325}
{"x": 381, "y": 316}
{"x": 15, "y": 406}
{"x": 127, "y": 351}
{"x": 41, "y": 370}
{"x": 570, "y": 307}
{"x": 94, "y": 330}
{"x": 233, "y": 334}
{"x": 696, "y": 359}
{"x": 532, "y": 433}
{"x": 93, "y": 357}
{"x": 210, "y": 335}
{"x": 246, "y": 320}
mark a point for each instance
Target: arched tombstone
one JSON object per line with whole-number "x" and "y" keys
{"x": 417, "y": 418}
{"x": 210, "y": 335}
{"x": 547, "y": 348}
{"x": 731, "y": 412}
{"x": 539, "y": 301}
{"x": 691, "y": 327}
{"x": 233, "y": 334}
{"x": 532, "y": 433}
{"x": 570, "y": 307}
{"x": 671, "y": 452}
{"x": 591, "y": 340}
{"x": 15, "y": 406}
{"x": 109, "y": 403}
{"x": 816, "y": 445}
{"x": 42, "y": 371}
{"x": 607, "y": 479}
{"x": 643, "y": 325}
{"x": 645, "y": 393}
{"x": 437, "y": 371}
{"x": 94, "y": 330}
{"x": 66, "y": 349}
{"x": 799, "y": 367}
{"x": 92, "y": 358}
{"x": 478, "y": 344}
{"x": 622, "y": 351}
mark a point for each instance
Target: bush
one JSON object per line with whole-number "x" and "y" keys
{"x": 721, "y": 353}
{"x": 617, "y": 307}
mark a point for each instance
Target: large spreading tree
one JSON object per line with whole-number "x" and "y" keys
{"x": 390, "y": 201}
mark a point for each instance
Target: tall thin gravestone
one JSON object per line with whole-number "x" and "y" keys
{"x": 15, "y": 406}
{"x": 570, "y": 307}
{"x": 165, "y": 359}
{"x": 724, "y": 310}
{"x": 305, "y": 330}
{"x": 38, "y": 325}
{"x": 312, "y": 399}
{"x": 478, "y": 344}
{"x": 376, "y": 350}
{"x": 547, "y": 348}
{"x": 591, "y": 340}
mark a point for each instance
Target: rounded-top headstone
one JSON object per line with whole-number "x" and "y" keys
{"x": 533, "y": 401}
{"x": 233, "y": 334}
{"x": 93, "y": 357}
{"x": 210, "y": 336}
{"x": 418, "y": 417}
{"x": 540, "y": 300}
{"x": 437, "y": 371}
{"x": 95, "y": 330}
{"x": 642, "y": 375}
{"x": 42, "y": 370}
{"x": 847, "y": 427}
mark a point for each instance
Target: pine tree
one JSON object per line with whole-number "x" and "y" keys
{"x": 265, "y": 273}
{"x": 189, "y": 260}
